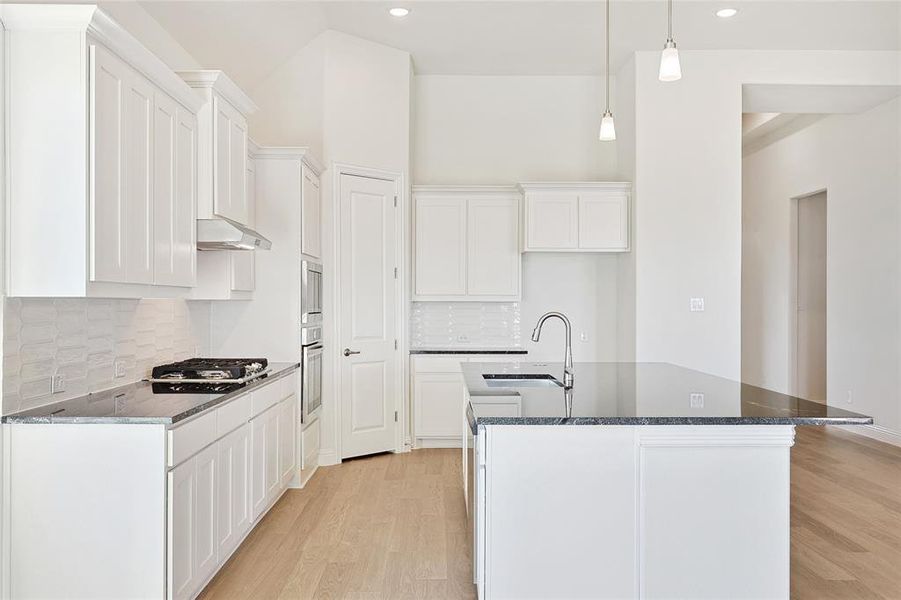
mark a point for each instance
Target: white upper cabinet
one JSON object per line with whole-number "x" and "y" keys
{"x": 222, "y": 146}
{"x": 101, "y": 177}
{"x": 576, "y": 217}
{"x": 174, "y": 193}
{"x": 466, "y": 244}
{"x": 311, "y": 217}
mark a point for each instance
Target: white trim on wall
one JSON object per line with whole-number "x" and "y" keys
{"x": 401, "y": 402}
{"x": 874, "y": 432}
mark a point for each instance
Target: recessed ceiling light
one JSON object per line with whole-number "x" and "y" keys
{"x": 725, "y": 13}
{"x": 399, "y": 12}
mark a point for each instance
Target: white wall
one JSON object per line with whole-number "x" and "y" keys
{"x": 509, "y": 129}
{"x": 149, "y": 32}
{"x": 290, "y": 101}
{"x": 503, "y": 130}
{"x": 688, "y": 183}
{"x": 855, "y": 158}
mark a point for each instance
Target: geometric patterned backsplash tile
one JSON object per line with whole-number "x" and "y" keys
{"x": 465, "y": 324}
{"x": 83, "y": 339}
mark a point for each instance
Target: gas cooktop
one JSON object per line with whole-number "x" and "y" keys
{"x": 208, "y": 371}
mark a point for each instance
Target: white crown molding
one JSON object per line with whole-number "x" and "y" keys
{"x": 252, "y": 148}
{"x": 498, "y": 190}
{"x": 90, "y": 20}
{"x": 574, "y": 185}
{"x": 301, "y": 153}
{"x": 220, "y": 82}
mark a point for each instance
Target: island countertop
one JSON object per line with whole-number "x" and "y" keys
{"x": 139, "y": 403}
{"x": 639, "y": 394}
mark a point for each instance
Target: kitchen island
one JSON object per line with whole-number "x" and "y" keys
{"x": 642, "y": 480}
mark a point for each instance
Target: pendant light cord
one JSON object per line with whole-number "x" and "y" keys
{"x": 607, "y": 57}
{"x": 669, "y": 20}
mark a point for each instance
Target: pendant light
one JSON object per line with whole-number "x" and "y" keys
{"x": 670, "y": 69}
{"x": 608, "y": 131}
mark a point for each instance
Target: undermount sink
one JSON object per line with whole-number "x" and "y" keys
{"x": 520, "y": 380}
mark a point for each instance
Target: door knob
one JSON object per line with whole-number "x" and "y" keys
{"x": 348, "y": 352}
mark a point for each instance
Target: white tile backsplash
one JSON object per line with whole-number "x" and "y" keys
{"x": 465, "y": 325}
{"x": 82, "y": 339}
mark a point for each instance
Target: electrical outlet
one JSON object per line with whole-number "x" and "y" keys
{"x": 119, "y": 369}
{"x": 463, "y": 338}
{"x": 696, "y": 304}
{"x": 583, "y": 336}
{"x": 57, "y": 383}
{"x": 850, "y": 398}
{"x": 696, "y": 400}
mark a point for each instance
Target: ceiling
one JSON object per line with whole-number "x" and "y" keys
{"x": 515, "y": 37}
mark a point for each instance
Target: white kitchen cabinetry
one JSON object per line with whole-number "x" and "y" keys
{"x": 100, "y": 176}
{"x": 287, "y": 440}
{"x": 311, "y": 202}
{"x": 234, "y": 489}
{"x": 439, "y": 396}
{"x": 576, "y": 217}
{"x": 222, "y": 145}
{"x": 466, "y": 244}
{"x": 231, "y": 274}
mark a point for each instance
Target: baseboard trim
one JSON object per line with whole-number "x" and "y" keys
{"x": 327, "y": 458}
{"x": 448, "y": 442}
{"x": 876, "y": 432}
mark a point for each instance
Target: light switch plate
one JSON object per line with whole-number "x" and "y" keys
{"x": 696, "y": 304}
{"x": 119, "y": 368}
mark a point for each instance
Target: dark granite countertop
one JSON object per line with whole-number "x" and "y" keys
{"x": 639, "y": 394}
{"x": 137, "y": 403}
{"x": 468, "y": 351}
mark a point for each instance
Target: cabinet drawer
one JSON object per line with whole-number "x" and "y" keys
{"x": 438, "y": 364}
{"x": 266, "y": 396}
{"x": 289, "y": 385}
{"x": 233, "y": 414}
{"x": 188, "y": 439}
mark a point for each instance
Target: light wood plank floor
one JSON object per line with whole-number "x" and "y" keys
{"x": 394, "y": 526}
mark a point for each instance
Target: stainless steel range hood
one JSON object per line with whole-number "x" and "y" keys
{"x": 225, "y": 234}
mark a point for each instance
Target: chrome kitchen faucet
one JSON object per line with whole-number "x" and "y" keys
{"x": 568, "y": 360}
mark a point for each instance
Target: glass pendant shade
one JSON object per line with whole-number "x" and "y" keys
{"x": 670, "y": 69}
{"x": 608, "y": 131}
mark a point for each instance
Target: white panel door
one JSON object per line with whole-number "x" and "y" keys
{"x": 182, "y": 491}
{"x": 552, "y": 221}
{"x": 311, "y": 239}
{"x": 138, "y": 177}
{"x": 234, "y": 491}
{"x": 367, "y": 301}
{"x": 287, "y": 439}
{"x": 493, "y": 261}
{"x": 438, "y": 405}
{"x": 603, "y": 222}
{"x": 440, "y": 246}
{"x": 206, "y": 517}
{"x": 107, "y": 212}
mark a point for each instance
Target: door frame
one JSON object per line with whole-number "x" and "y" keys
{"x": 792, "y": 341}
{"x": 401, "y": 250}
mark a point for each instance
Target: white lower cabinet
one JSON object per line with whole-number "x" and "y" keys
{"x": 234, "y": 489}
{"x": 439, "y": 399}
{"x": 216, "y": 495}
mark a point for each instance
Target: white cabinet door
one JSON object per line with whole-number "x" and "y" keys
{"x": 552, "y": 221}
{"x": 265, "y": 478}
{"x": 438, "y": 399}
{"x": 234, "y": 490}
{"x": 138, "y": 175}
{"x": 493, "y": 265}
{"x": 182, "y": 486}
{"x": 174, "y": 196}
{"x": 243, "y": 270}
{"x": 229, "y": 161}
{"x": 109, "y": 77}
{"x": 603, "y": 222}
{"x": 311, "y": 218}
{"x": 287, "y": 440}
{"x": 440, "y": 246}
{"x": 206, "y": 517}
{"x": 273, "y": 478}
